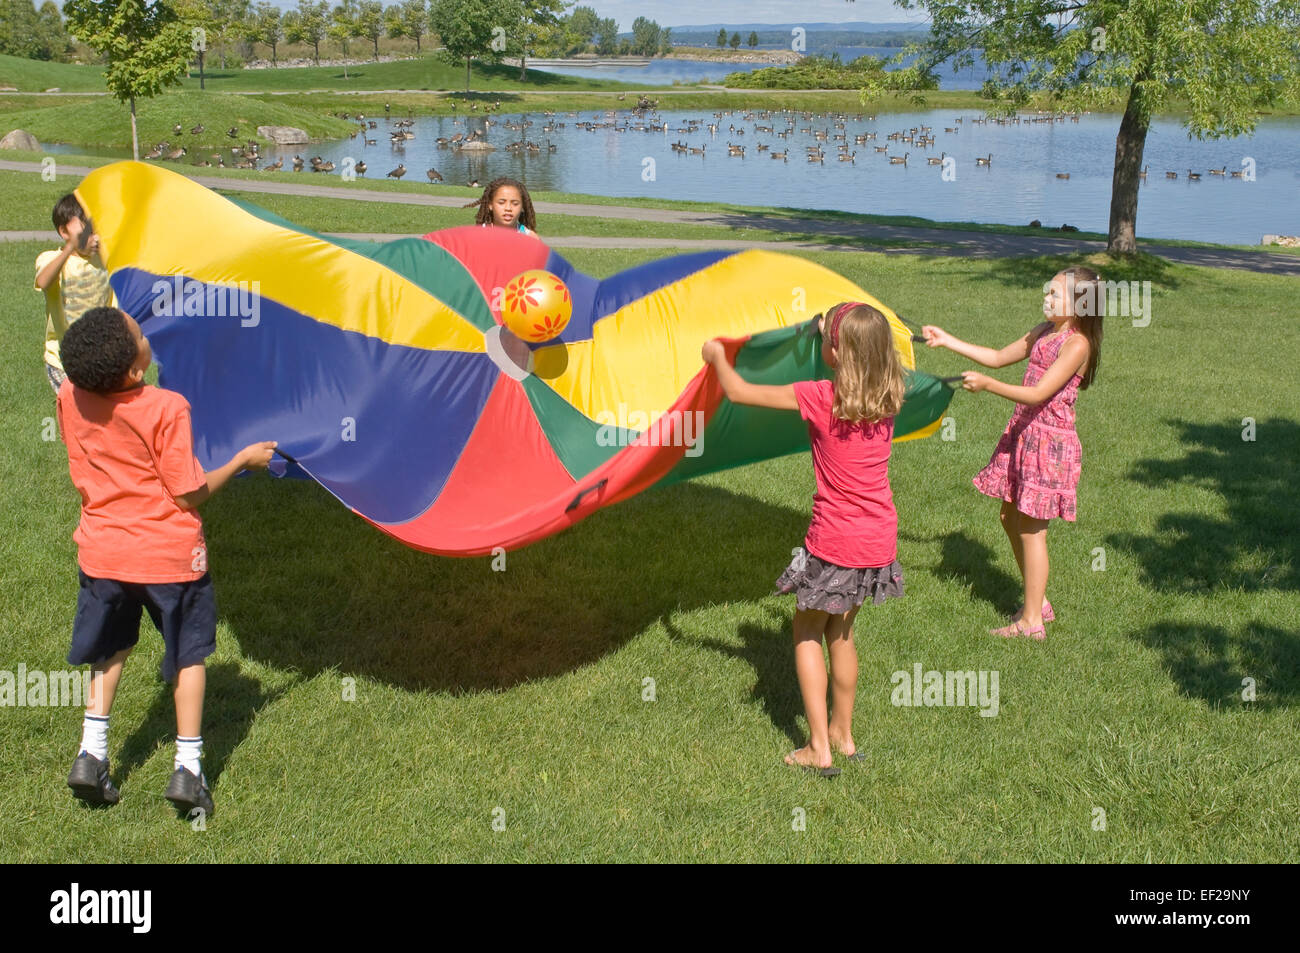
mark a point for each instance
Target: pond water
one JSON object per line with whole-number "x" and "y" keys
{"x": 1018, "y": 185}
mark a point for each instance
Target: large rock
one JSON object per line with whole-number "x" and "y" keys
{"x": 477, "y": 145}
{"x": 20, "y": 139}
{"x": 283, "y": 135}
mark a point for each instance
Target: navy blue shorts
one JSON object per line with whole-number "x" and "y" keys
{"x": 108, "y": 620}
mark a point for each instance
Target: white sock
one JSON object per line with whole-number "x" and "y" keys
{"x": 94, "y": 735}
{"x": 189, "y": 751}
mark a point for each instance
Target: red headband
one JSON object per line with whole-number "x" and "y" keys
{"x": 836, "y": 316}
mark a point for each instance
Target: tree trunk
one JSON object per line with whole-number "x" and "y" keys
{"x": 467, "y": 74}
{"x": 273, "y": 61}
{"x": 417, "y": 44}
{"x": 523, "y": 65}
{"x": 1129, "y": 146}
{"x": 316, "y": 51}
{"x": 200, "y": 69}
{"x": 135, "y": 138}
{"x": 376, "y": 39}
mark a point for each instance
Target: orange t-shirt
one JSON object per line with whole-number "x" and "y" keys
{"x": 130, "y": 455}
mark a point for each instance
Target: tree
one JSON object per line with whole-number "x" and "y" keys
{"x": 582, "y": 22}
{"x": 645, "y": 37}
{"x": 753, "y": 39}
{"x": 471, "y": 28}
{"x": 32, "y": 34}
{"x": 308, "y": 25}
{"x": 147, "y": 46}
{"x": 370, "y": 22}
{"x": 722, "y": 38}
{"x": 539, "y": 20}
{"x": 735, "y": 41}
{"x": 268, "y": 27}
{"x": 666, "y": 42}
{"x": 1222, "y": 61}
{"x": 410, "y": 19}
{"x": 343, "y": 26}
{"x": 607, "y": 37}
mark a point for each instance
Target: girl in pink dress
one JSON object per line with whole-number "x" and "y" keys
{"x": 1035, "y": 466}
{"x": 850, "y": 554}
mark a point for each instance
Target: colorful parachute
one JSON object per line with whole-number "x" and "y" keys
{"x": 373, "y": 365}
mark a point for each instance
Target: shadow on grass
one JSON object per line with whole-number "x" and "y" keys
{"x": 1031, "y": 273}
{"x": 234, "y": 700}
{"x": 307, "y": 586}
{"x": 1210, "y": 663}
{"x": 979, "y": 568}
{"x": 1256, "y": 545}
{"x": 768, "y": 650}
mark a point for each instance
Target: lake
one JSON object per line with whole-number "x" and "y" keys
{"x": 1018, "y": 185}
{"x": 667, "y": 71}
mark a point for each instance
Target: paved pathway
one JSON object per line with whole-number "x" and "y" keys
{"x": 940, "y": 241}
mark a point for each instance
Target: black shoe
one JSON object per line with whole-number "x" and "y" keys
{"x": 89, "y": 780}
{"x": 188, "y": 791}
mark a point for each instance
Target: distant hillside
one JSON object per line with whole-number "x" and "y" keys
{"x": 858, "y": 26}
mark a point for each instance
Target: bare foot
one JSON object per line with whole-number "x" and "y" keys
{"x": 1020, "y": 613}
{"x": 805, "y": 757}
{"x": 844, "y": 745}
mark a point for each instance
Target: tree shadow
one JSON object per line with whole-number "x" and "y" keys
{"x": 1256, "y": 546}
{"x": 1031, "y": 272}
{"x": 305, "y": 585}
{"x": 768, "y": 650}
{"x": 977, "y": 566}
{"x": 233, "y": 701}
{"x": 1211, "y": 663}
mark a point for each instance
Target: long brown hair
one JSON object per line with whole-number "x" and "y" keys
{"x": 869, "y": 379}
{"x": 526, "y": 213}
{"x": 1087, "y": 295}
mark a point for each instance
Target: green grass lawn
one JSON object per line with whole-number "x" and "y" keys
{"x": 520, "y": 692}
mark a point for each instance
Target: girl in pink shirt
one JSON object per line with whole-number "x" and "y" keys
{"x": 851, "y": 551}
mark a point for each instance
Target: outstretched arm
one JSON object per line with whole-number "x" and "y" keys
{"x": 741, "y": 391}
{"x": 1013, "y": 353}
{"x": 255, "y": 456}
{"x": 1071, "y": 359}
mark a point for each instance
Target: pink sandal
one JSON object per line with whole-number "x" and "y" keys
{"x": 1016, "y": 630}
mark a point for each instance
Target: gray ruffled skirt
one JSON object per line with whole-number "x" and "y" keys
{"x": 826, "y": 587}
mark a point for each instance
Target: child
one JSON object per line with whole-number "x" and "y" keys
{"x": 139, "y": 543}
{"x": 1035, "y": 466}
{"x": 73, "y": 280}
{"x": 506, "y": 204}
{"x": 852, "y": 541}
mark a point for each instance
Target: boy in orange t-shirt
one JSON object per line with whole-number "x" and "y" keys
{"x": 140, "y": 542}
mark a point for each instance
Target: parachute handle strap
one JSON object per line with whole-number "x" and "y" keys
{"x": 577, "y": 500}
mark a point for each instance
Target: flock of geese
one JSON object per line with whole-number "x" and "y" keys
{"x": 827, "y": 130}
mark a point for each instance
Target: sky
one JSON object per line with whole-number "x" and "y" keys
{"x": 685, "y": 12}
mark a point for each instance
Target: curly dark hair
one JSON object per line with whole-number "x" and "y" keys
{"x": 65, "y": 210}
{"x": 484, "y": 215}
{"x": 98, "y": 349}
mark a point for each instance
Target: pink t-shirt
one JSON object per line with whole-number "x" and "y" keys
{"x": 854, "y": 523}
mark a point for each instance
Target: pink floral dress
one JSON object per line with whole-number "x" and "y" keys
{"x": 1037, "y": 462}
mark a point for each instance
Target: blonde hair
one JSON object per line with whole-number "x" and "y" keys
{"x": 869, "y": 380}
{"x": 1086, "y": 294}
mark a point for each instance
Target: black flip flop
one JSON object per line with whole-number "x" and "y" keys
{"x": 813, "y": 769}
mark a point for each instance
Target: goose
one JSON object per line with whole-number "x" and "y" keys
{"x": 275, "y": 166}
{"x": 951, "y": 129}
{"x": 197, "y": 129}
{"x": 881, "y": 148}
{"x": 984, "y": 161}
{"x": 434, "y": 175}
{"x": 398, "y": 172}
{"x": 1143, "y": 173}
{"x": 936, "y": 161}
{"x": 871, "y": 137}
{"x": 698, "y": 152}
{"x": 325, "y": 167}
{"x": 817, "y": 157}
{"x": 1219, "y": 171}
{"x": 297, "y": 163}
{"x": 177, "y": 129}
{"x": 899, "y": 160}
{"x": 784, "y": 156}
{"x": 361, "y": 168}
{"x": 1193, "y": 176}
{"x": 1062, "y": 175}
{"x": 368, "y": 142}
{"x": 175, "y": 153}
{"x": 154, "y": 153}
{"x": 1237, "y": 173}
{"x": 1171, "y": 175}
{"x": 233, "y": 132}
{"x": 852, "y": 157}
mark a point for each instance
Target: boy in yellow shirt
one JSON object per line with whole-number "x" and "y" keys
{"x": 73, "y": 279}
